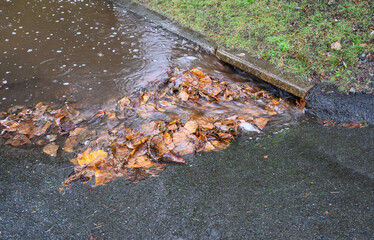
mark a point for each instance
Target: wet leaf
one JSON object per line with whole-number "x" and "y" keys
{"x": 124, "y": 102}
{"x": 51, "y": 149}
{"x": 183, "y": 143}
{"x": 145, "y": 98}
{"x": 103, "y": 177}
{"x": 70, "y": 144}
{"x": 140, "y": 162}
{"x": 261, "y": 122}
{"x": 209, "y": 147}
{"x": 92, "y": 158}
{"x": 183, "y": 95}
{"x": 137, "y": 174}
{"x": 77, "y": 131}
{"x": 20, "y": 140}
{"x": 100, "y": 114}
{"x": 220, "y": 144}
{"x": 172, "y": 157}
{"x": 41, "y": 130}
{"x": 197, "y": 72}
{"x": 191, "y": 126}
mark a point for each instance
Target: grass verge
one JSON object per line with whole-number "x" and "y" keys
{"x": 295, "y": 35}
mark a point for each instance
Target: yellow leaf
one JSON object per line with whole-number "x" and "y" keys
{"x": 92, "y": 157}
{"x": 145, "y": 98}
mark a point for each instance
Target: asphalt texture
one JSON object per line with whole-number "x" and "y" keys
{"x": 306, "y": 182}
{"x": 325, "y": 101}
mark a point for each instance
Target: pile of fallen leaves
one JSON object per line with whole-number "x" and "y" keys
{"x": 147, "y": 128}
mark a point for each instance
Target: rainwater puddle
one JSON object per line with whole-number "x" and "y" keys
{"x": 85, "y": 56}
{"x": 87, "y": 52}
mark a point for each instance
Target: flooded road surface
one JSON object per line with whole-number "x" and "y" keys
{"x": 85, "y": 51}
{"x": 89, "y": 53}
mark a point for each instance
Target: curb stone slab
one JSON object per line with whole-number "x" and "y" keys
{"x": 266, "y": 72}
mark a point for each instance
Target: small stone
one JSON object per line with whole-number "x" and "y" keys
{"x": 362, "y": 56}
{"x": 331, "y": 2}
{"x": 352, "y": 90}
{"x": 336, "y": 45}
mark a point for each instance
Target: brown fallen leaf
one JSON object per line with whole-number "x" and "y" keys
{"x": 103, "y": 177}
{"x": 145, "y": 98}
{"x": 140, "y": 162}
{"x": 124, "y": 102}
{"x": 77, "y": 131}
{"x": 172, "y": 157}
{"x": 20, "y": 140}
{"x": 183, "y": 142}
{"x": 197, "y": 72}
{"x": 183, "y": 95}
{"x": 261, "y": 122}
{"x": 191, "y": 126}
{"x": 51, "y": 149}
{"x": 70, "y": 144}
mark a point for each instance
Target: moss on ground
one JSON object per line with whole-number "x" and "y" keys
{"x": 295, "y": 35}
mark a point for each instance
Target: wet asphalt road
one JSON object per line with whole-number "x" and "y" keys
{"x": 316, "y": 183}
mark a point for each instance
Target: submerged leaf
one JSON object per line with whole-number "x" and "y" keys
{"x": 183, "y": 95}
{"x": 51, "y": 149}
{"x": 197, "y": 72}
{"x": 261, "y": 122}
{"x": 70, "y": 144}
{"x": 191, "y": 126}
{"x": 92, "y": 158}
{"x": 20, "y": 140}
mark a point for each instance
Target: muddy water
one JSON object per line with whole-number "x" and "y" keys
{"x": 89, "y": 53}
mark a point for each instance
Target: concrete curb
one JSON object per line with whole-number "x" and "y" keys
{"x": 242, "y": 60}
{"x": 266, "y": 72}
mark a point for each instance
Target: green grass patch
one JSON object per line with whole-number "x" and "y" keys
{"x": 295, "y": 35}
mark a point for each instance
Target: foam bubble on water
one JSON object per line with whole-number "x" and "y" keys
{"x": 248, "y": 127}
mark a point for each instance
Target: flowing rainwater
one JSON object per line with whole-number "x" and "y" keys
{"x": 90, "y": 54}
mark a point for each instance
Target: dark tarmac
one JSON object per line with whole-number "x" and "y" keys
{"x": 315, "y": 183}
